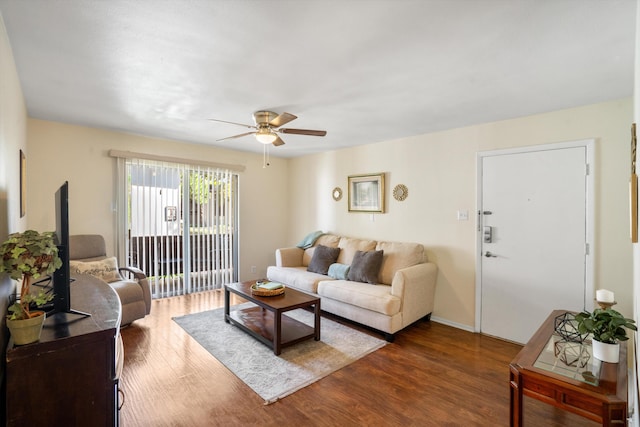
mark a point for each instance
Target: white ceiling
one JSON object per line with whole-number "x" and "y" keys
{"x": 364, "y": 70}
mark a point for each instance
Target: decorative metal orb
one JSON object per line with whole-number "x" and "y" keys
{"x": 566, "y": 326}
{"x": 572, "y": 353}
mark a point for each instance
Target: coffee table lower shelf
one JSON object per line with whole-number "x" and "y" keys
{"x": 258, "y": 322}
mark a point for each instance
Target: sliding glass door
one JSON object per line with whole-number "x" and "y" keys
{"x": 181, "y": 225}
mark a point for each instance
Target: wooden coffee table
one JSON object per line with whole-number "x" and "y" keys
{"x": 265, "y": 322}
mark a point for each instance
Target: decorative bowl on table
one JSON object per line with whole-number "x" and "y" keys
{"x": 257, "y": 289}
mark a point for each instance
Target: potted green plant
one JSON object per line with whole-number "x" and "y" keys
{"x": 27, "y": 256}
{"x": 608, "y": 328}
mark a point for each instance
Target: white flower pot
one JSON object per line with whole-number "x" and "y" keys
{"x": 606, "y": 352}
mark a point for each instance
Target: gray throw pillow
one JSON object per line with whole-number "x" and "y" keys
{"x": 365, "y": 267}
{"x": 323, "y": 257}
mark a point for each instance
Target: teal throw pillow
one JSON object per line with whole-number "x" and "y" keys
{"x": 338, "y": 271}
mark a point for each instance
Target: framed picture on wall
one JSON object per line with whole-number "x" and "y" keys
{"x": 366, "y": 193}
{"x": 23, "y": 184}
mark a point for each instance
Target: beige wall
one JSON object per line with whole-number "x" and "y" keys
{"x": 62, "y": 152}
{"x": 440, "y": 171}
{"x": 13, "y": 138}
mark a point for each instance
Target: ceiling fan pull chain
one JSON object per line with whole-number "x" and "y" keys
{"x": 265, "y": 156}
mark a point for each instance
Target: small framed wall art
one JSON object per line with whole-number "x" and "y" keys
{"x": 23, "y": 184}
{"x": 366, "y": 193}
{"x": 633, "y": 188}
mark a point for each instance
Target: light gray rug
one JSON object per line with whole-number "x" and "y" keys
{"x": 274, "y": 377}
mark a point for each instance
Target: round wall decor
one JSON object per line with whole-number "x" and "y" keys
{"x": 336, "y": 194}
{"x": 400, "y": 192}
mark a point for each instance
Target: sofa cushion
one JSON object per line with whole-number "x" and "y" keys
{"x": 365, "y": 267}
{"x": 322, "y": 258}
{"x": 106, "y": 269}
{"x": 296, "y": 277}
{"x": 398, "y": 256}
{"x": 330, "y": 240}
{"x": 338, "y": 271}
{"x": 349, "y": 246}
{"x": 376, "y": 298}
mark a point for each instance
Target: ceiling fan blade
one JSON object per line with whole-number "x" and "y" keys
{"x": 278, "y": 142}
{"x": 282, "y": 119}
{"x": 304, "y": 132}
{"x": 236, "y": 136}
{"x": 233, "y": 123}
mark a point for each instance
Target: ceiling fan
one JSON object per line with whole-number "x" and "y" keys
{"x": 267, "y": 127}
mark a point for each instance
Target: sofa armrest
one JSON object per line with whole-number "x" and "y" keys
{"x": 143, "y": 282}
{"x": 289, "y": 257}
{"x": 416, "y": 288}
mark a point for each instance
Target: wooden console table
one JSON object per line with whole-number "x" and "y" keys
{"x": 69, "y": 376}
{"x": 565, "y": 375}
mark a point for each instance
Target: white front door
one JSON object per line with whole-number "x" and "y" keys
{"x": 534, "y": 227}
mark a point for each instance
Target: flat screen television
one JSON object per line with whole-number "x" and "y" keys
{"x": 62, "y": 276}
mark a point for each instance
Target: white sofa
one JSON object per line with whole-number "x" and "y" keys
{"x": 403, "y": 294}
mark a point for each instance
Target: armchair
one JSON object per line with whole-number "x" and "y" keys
{"x": 134, "y": 293}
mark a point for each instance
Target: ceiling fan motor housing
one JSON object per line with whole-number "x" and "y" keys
{"x": 263, "y": 117}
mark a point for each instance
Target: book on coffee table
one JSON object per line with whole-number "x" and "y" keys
{"x": 269, "y": 285}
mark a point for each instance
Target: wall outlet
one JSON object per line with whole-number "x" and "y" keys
{"x": 254, "y": 270}
{"x": 463, "y": 215}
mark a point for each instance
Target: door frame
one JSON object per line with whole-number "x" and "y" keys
{"x": 589, "y": 145}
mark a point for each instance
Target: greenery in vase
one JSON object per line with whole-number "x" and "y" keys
{"x": 606, "y": 325}
{"x": 27, "y": 256}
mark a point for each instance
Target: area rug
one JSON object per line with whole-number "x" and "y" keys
{"x": 274, "y": 377}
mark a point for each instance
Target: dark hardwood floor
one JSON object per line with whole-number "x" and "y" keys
{"x": 432, "y": 375}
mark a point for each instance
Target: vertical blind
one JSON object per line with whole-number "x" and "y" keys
{"x": 180, "y": 224}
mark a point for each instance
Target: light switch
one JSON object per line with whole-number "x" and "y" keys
{"x": 463, "y": 215}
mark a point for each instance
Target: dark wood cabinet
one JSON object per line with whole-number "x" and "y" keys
{"x": 69, "y": 376}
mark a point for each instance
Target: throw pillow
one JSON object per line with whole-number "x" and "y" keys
{"x": 323, "y": 257}
{"x": 338, "y": 271}
{"x": 106, "y": 269}
{"x": 365, "y": 267}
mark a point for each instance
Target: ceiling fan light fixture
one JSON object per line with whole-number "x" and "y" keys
{"x": 265, "y": 136}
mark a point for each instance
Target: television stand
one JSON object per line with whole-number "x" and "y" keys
{"x": 50, "y": 308}
{"x": 73, "y": 365}
{"x": 61, "y": 317}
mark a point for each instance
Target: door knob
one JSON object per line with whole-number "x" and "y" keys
{"x": 490, "y": 255}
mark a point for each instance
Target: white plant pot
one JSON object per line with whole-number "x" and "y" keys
{"x": 606, "y": 352}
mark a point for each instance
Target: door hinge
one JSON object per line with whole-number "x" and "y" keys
{"x": 587, "y": 169}
{"x": 586, "y": 248}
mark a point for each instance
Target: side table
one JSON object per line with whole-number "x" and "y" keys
{"x": 565, "y": 374}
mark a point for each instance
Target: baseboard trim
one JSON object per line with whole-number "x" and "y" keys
{"x": 452, "y": 324}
